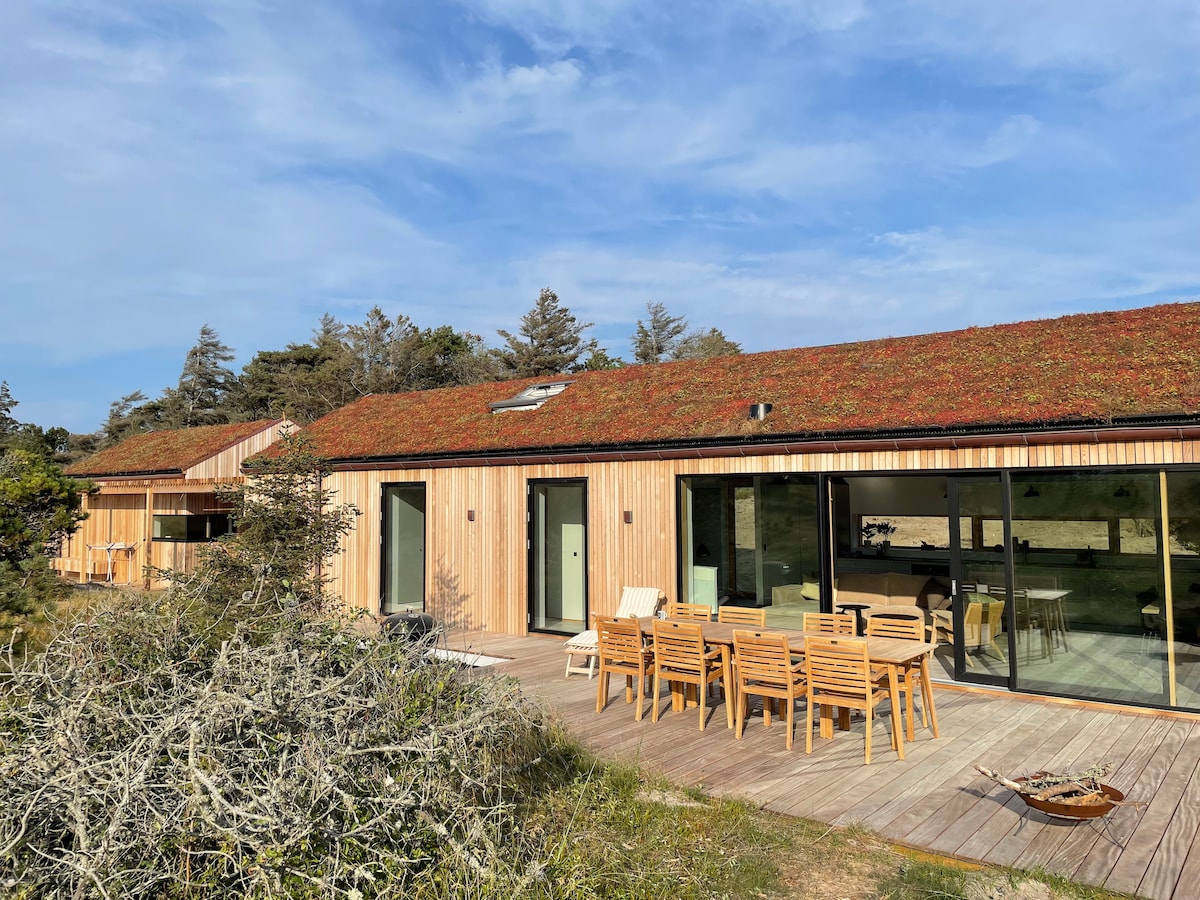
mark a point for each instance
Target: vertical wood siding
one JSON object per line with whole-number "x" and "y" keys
{"x": 228, "y": 463}
{"x": 476, "y": 572}
{"x": 118, "y": 514}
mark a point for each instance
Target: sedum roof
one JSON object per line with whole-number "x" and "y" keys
{"x": 166, "y": 452}
{"x": 1077, "y": 369}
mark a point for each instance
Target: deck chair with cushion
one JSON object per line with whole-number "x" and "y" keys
{"x": 636, "y": 602}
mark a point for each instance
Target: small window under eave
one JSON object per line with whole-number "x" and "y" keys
{"x": 530, "y": 398}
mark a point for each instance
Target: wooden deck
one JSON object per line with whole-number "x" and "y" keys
{"x": 933, "y": 799}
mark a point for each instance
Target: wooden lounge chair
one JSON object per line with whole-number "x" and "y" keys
{"x": 763, "y": 663}
{"x": 981, "y": 624}
{"x": 636, "y": 602}
{"x": 621, "y": 651}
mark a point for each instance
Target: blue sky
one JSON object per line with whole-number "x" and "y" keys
{"x": 794, "y": 173}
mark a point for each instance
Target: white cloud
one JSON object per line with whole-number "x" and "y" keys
{"x": 789, "y": 172}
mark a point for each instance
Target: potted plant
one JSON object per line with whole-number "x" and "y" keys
{"x": 877, "y": 535}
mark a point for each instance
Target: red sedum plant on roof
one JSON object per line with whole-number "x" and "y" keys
{"x": 1092, "y": 368}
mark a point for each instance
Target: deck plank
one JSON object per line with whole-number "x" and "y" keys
{"x": 1163, "y": 770}
{"x": 1094, "y": 865}
{"x": 1166, "y": 867}
{"x": 932, "y": 798}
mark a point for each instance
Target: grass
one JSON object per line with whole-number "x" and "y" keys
{"x": 619, "y": 835}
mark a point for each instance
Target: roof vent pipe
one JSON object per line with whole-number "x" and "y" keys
{"x": 759, "y": 410}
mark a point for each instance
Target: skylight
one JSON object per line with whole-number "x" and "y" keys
{"x": 530, "y": 398}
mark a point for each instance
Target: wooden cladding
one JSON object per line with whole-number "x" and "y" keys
{"x": 476, "y": 567}
{"x": 123, "y": 518}
{"x": 228, "y": 463}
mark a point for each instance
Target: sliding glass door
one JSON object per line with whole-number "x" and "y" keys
{"x": 1094, "y": 615}
{"x": 751, "y": 541}
{"x": 977, "y": 622}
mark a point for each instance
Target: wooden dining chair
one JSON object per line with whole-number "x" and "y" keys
{"x": 763, "y": 664}
{"x": 742, "y": 615}
{"x": 699, "y": 611}
{"x": 909, "y": 630}
{"x": 681, "y": 657}
{"x": 839, "y": 674}
{"x": 829, "y": 623}
{"x": 621, "y": 651}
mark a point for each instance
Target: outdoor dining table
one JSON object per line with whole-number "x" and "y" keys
{"x": 884, "y": 651}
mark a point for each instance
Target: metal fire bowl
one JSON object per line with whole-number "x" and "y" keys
{"x": 1069, "y": 811}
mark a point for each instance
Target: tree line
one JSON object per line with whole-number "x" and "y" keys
{"x": 384, "y": 355}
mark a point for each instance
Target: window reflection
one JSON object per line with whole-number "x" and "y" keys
{"x": 1087, "y": 592}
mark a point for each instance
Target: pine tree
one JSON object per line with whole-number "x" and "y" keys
{"x": 705, "y": 345}
{"x": 130, "y": 415}
{"x": 553, "y": 340}
{"x": 204, "y": 385}
{"x": 8, "y": 425}
{"x": 657, "y": 339}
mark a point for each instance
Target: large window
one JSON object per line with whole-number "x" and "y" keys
{"x": 1089, "y": 605}
{"x": 191, "y": 528}
{"x": 751, "y": 541}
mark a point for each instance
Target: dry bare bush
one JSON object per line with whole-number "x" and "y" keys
{"x": 141, "y": 757}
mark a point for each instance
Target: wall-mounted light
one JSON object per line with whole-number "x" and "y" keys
{"x": 627, "y": 516}
{"x": 470, "y": 515}
{"x": 1031, "y": 491}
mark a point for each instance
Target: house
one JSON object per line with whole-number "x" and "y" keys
{"x": 156, "y": 502}
{"x": 1032, "y": 488}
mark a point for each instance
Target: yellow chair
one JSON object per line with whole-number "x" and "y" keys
{"x": 622, "y": 652}
{"x": 763, "y": 662}
{"x": 680, "y": 657}
{"x": 829, "y": 623}
{"x": 839, "y": 674}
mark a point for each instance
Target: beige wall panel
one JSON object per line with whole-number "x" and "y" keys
{"x": 228, "y": 463}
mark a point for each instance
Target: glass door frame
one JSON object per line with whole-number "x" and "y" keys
{"x": 385, "y": 539}
{"x": 531, "y": 568}
{"x": 1001, "y": 482}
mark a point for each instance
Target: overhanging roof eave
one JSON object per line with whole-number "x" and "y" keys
{"x": 797, "y": 442}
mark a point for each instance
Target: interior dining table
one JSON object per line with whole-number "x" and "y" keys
{"x": 891, "y": 653}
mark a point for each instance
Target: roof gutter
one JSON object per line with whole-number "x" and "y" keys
{"x": 127, "y": 476}
{"x": 848, "y": 444}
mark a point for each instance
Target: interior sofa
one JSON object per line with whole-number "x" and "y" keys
{"x": 890, "y": 589}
